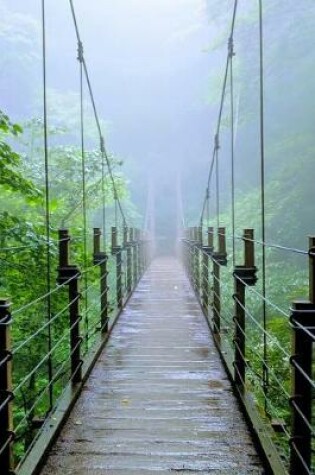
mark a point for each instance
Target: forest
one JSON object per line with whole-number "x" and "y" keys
{"x": 159, "y": 116}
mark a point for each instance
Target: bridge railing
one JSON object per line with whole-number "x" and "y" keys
{"x": 276, "y": 387}
{"x": 85, "y": 304}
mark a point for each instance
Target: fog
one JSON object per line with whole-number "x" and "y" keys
{"x": 149, "y": 67}
{"x": 157, "y": 67}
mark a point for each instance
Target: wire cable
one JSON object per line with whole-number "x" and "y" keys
{"x": 47, "y": 201}
{"x": 223, "y": 94}
{"x": 96, "y": 116}
{"x": 231, "y": 54}
{"x": 262, "y": 188}
{"x": 83, "y": 174}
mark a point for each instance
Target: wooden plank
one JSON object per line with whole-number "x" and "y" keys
{"x": 158, "y": 399}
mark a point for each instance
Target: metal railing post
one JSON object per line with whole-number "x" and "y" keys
{"x": 114, "y": 238}
{"x": 210, "y": 237}
{"x": 205, "y": 282}
{"x": 138, "y": 254}
{"x": 6, "y": 396}
{"x": 244, "y": 276}
{"x": 69, "y": 275}
{"x": 117, "y": 252}
{"x": 198, "y": 247}
{"x": 129, "y": 263}
{"x": 219, "y": 259}
{"x": 303, "y": 337}
{"x": 142, "y": 252}
{"x": 216, "y": 297}
{"x": 125, "y": 239}
{"x": 134, "y": 257}
{"x": 188, "y": 253}
{"x": 206, "y": 254}
{"x": 101, "y": 258}
{"x": 192, "y": 257}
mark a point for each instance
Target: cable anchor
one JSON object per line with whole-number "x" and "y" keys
{"x": 231, "y": 47}
{"x": 102, "y": 144}
{"x": 80, "y": 52}
{"x": 217, "y": 142}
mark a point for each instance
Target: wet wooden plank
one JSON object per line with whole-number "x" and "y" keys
{"x": 158, "y": 400}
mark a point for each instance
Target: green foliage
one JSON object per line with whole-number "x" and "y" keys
{"x": 24, "y": 253}
{"x": 11, "y": 177}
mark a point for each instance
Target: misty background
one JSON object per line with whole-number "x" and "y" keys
{"x": 150, "y": 69}
{"x": 157, "y": 68}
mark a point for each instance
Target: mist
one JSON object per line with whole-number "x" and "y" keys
{"x": 157, "y": 69}
{"x": 178, "y": 136}
{"x": 149, "y": 66}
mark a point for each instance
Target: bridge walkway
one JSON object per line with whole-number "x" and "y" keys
{"x": 158, "y": 399}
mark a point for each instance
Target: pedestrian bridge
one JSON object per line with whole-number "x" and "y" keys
{"x": 116, "y": 359}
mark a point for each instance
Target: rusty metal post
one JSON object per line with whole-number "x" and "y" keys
{"x": 303, "y": 337}
{"x": 100, "y": 258}
{"x": 69, "y": 275}
{"x": 244, "y": 276}
{"x": 6, "y": 396}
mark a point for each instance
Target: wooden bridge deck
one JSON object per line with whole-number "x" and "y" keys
{"x": 158, "y": 399}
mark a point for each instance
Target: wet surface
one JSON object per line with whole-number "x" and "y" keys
{"x": 158, "y": 400}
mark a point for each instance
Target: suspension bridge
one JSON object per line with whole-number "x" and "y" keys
{"x": 148, "y": 363}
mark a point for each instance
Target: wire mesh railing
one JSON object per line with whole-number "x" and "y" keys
{"x": 272, "y": 367}
{"x": 33, "y": 379}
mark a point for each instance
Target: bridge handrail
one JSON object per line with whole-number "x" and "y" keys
{"x": 234, "y": 338}
{"x": 107, "y": 294}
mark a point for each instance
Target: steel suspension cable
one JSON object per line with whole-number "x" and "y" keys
{"x": 103, "y": 202}
{"x": 207, "y": 206}
{"x": 96, "y": 116}
{"x": 262, "y": 189}
{"x": 47, "y": 203}
{"x": 83, "y": 173}
{"x": 116, "y": 217}
{"x": 231, "y": 54}
{"x": 223, "y": 94}
{"x": 217, "y": 180}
